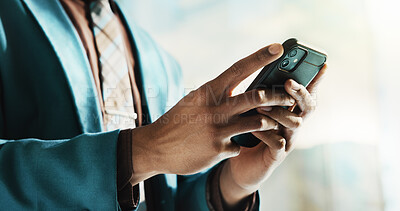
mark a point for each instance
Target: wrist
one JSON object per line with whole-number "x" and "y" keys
{"x": 144, "y": 157}
{"x": 232, "y": 192}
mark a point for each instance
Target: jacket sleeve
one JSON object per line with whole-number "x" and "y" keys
{"x": 72, "y": 174}
{"x": 200, "y": 192}
{"x": 191, "y": 193}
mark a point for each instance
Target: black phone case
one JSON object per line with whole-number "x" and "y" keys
{"x": 273, "y": 77}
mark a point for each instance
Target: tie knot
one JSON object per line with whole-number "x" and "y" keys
{"x": 100, "y": 6}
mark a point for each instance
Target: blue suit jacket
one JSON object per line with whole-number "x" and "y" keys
{"x": 53, "y": 152}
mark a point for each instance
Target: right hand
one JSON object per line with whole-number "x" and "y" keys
{"x": 195, "y": 134}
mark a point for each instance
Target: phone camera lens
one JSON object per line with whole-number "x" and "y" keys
{"x": 293, "y": 53}
{"x": 285, "y": 63}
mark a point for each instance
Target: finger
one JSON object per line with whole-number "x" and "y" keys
{"x": 256, "y": 98}
{"x": 289, "y": 142}
{"x": 303, "y": 98}
{"x": 230, "y": 149}
{"x": 248, "y": 124}
{"x": 271, "y": 139}
{"x": 313, "y": 85}
{"x": 282, "y": 116}
{"x": 246, "y": 66}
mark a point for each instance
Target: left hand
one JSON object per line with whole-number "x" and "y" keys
{"x": 244, "y": 174}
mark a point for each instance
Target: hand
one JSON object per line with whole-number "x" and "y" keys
{"x": 243, "y": 175}
{"x": 195, "y": 133}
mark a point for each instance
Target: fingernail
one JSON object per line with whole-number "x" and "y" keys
{"x": 266, "y": 108}
{"x": 274, "y": 49}
{"x": 292, "y": 101}
{"x": 295, "y": 86}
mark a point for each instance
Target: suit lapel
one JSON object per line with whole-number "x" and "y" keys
{"x": 65, "y": 41}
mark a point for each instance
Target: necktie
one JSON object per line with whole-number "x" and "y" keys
{"x": 116, "y": 86}
{"x": 115, "y": 82}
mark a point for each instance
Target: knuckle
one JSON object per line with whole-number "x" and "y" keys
{"x": 236, "y": 69}
{"x": 200, "y": 94}
{"x": 259, "y": 96}
{"x": 281, "y": 143}
{"x": 311, "y": 105}
{"x": 192, "y": 94}
{"x": 234, "y": 149}
{"x": 303, "y": 91}
{"x": 262, "y": 122}
{"x": 297, "y": 122}
{"x": 257, "y": 122}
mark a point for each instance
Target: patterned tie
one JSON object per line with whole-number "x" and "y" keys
{"x": 115, "y": 82}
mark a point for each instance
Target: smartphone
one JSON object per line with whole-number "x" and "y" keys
{"x": 298, "y": 62}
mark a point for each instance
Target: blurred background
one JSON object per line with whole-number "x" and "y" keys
{"x": 347, "y": 155}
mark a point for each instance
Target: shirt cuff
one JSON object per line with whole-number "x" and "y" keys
{"x": 127, "y": 195}
{"x": 214, "y": 197}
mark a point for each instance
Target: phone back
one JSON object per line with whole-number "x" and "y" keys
{"x": 302, "y": 71}
{"x": 298, "y": 62}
